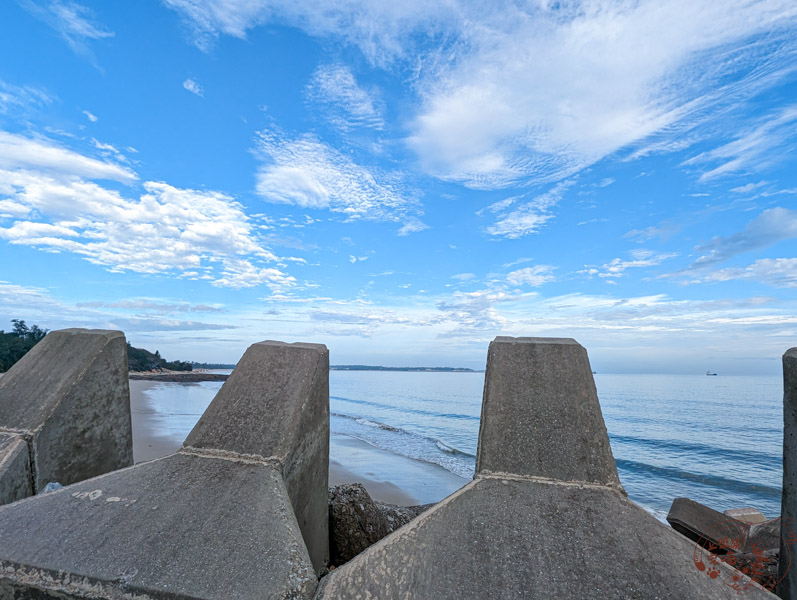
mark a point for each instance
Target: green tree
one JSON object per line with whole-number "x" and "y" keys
{"x": 17, "y": 342}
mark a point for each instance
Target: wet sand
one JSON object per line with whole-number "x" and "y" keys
{"x": 387, "y": 477}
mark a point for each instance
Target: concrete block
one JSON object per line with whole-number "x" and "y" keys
{"x": 702, "y": 524}
{"x": 275, "y": 406}
{"x": 517, "y": 538}
{"x": 182, "y": 527}
{"x": 217, "y": 520}
{"x": 545, "y": 516}
{"x": 747, "y": 514}
{"x": 787, "y": 588}
{"x": 540, "y": 413}
{"x": 15, "y": 472}
{"x": 69, "y": 398}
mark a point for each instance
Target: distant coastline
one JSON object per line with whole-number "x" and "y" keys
{"x": 409, "y": 369}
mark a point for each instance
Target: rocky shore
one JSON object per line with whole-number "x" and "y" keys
{"x": 179, "y": 376}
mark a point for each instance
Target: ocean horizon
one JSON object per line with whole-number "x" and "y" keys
{"x": 716, "y": 440}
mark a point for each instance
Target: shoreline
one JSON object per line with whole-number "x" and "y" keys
{"x": 388, "y": 477}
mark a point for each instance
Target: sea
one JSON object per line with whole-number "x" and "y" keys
{"x": 716, "y": 440}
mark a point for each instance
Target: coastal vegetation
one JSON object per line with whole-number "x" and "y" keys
{"x": 139, "y": 359}
{"x": 15, "y": 344}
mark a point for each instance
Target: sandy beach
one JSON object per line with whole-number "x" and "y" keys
{"x": 387, "y": 477}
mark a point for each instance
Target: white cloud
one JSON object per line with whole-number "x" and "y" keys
{"x": 412, "y": 225}
{"x": 201, "y": 234}
{"x": 528, "y": 217}
{"x": 19, "y": 152}
{"x": 91, "y": 117}
{"x": 311, "y": 174}
{"x": 350, "y": 106}
{"x": 544, "y": 92}
{"x": 531, "y": 276}
{"x": 777, "y": 272}
{"x": 617, "y": 267}
{"x": 193, "y": 87}
{"x": 71, "y": 20}
{"x": 464, "y": 276}
{"x": 22, "y": 98}
{"x": 771, "y": 226}
{"x": 539, "y": 90}
{"x": 153, "y": 306}
{"x": 749, "y": 187}
{"x": 379, "y": 29}
{"x": 755, "y": 149}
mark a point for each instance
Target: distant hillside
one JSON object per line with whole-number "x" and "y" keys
{"x": 198, "y": 365}
{"x": 139, "y": 359}
{"x": 377, "y": 368}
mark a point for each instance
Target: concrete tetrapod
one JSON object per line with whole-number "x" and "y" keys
{"x": 545, "y": 516}
{"x": 787, "y": 588}
{"x": 65, "y": 412}
{"x": 214, "y": 521}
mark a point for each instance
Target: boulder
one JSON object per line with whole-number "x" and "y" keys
{"x": 355, "y": 522}
{"x": 398, "y": 516}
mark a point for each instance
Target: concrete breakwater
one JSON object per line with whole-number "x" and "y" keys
{"x": 241, "y": 509}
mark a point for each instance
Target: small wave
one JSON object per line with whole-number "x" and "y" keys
{"x": 405, "y": 443}
{"x": 716, "y": 481}
{"x": 368, "y": 423}
{"x": 413, "y": 411}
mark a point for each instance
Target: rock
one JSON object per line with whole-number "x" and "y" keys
{"x": 398, "y": 516}
{"x": 355, "y": 522}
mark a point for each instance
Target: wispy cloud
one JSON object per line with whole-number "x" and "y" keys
{"x": 154, "y": 306}
{"x": 542, "y": 93}
{"x": 617, "y": 267}
{"x": 73, "y": 21}
{"x": 771, "y": 226}
{"x": 309, "y": 173}
{"x": 193, "y": 87}
{"x": 381, "y": 30}
{"x": 777, "y": 272}
{"x": 90, "y": 116}
{"x": 21, "y": 98}
{"x": 349, "y": 106}
{"x": 527, "y": 217}
{"x": 754, "y": 148}
{"x": 531, "y": 276}
{"x": 20, "y": 152}
{"x": 539, "y": 91}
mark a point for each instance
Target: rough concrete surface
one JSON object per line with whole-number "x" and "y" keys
{"x": 540, "y": 413}
{"x": 275, "y": 405}
{"x": 787, "y": 589}
{"x": 701, "y": 523}
{"x": 182, "y": 527}
{"x": 15, "y": 472}
{"x": 528, "y": 526}
{"x": 69, "y": 397}
{"x": 509, "y": 538}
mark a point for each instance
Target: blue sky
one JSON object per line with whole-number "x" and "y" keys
{"x": 405, "y": 181}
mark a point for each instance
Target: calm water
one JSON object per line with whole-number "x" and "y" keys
{"x": 716, "y": 440}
